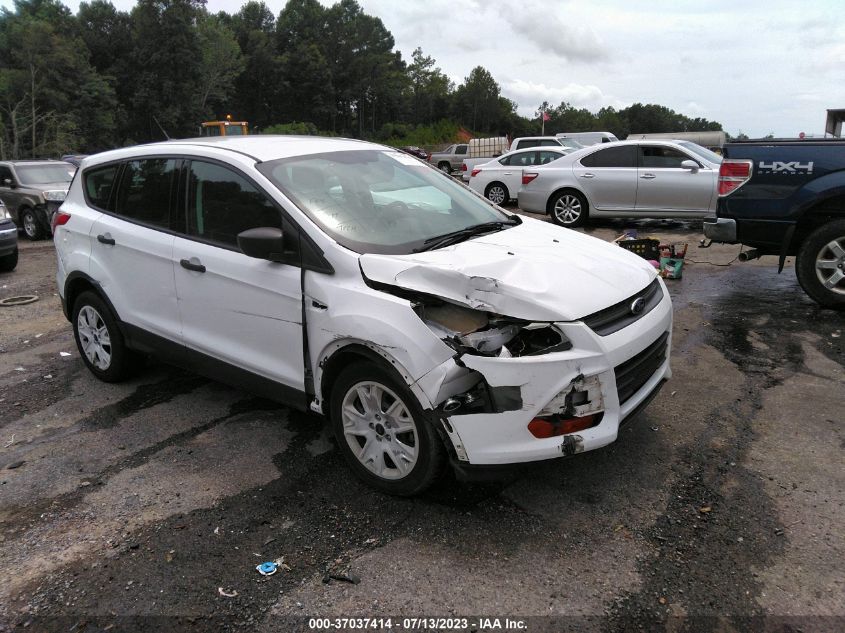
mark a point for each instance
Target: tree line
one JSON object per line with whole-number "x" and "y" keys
{"x": 105, "y": 78}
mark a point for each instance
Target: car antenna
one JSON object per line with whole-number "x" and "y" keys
{"x": 163, "y": 131}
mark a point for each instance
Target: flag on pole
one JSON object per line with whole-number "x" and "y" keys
{"x": 546, "y": 117}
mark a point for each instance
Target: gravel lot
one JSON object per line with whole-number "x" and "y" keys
{"x": 138, "y": 506}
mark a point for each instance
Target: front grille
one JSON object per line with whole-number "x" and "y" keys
{"x": 635, "y": 372}
{"x": 619, "y": 315}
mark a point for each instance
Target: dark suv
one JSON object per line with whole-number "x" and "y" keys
{"x": 33, "y": 190}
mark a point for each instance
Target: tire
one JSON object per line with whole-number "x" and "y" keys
{"x": 360, "y": 423}
{"x": 820, "y": 265}
{"x": 497, "y": 193}
{"x": 445, "y": 167}
{"x": 568, "y": 208}
{"x": 31, "y": 226}
{"x": 8, "y": 262}
{"x": 106, "y": 356}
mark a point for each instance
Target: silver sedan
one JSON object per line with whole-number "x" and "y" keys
{"x": 635, "y": 179}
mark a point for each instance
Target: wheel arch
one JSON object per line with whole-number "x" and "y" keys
{"x": 820, "y": 213}
{"x": 567, "y": 189}
{"x": 77, "y": 283}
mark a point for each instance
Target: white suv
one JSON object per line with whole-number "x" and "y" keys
{"x": 355, "y": 281}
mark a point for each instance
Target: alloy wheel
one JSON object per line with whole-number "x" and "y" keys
{"x": 830, "y": 265}
{"x": 567, "y": 209}
{"x": 94, "y": 338}
{"x": 496, "y": 194}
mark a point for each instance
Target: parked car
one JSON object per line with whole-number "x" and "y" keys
{"x": 33, "y": 190}
{"x": 449, "y": 159}
{"x": 589, "y": 138}
{"x": 500, "y": 179}
{"x": 636, "y": 179}
{"x": 8, "y": 241}
{"x": 782, "y": 198}
{"x": 413, "y": 150}
{"x": 481, "y": 150}
{"x": 524, "y": 142}
{"x": 351, "y": 280}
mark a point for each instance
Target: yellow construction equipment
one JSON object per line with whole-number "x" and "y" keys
{"x": 225, "y": 128}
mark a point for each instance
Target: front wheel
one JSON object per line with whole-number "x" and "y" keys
{"x": 382, "y": 431}
{"x": 9, "y": 262}
{"x": 31, "y": 226}
{"x": 100, "y": 341}
{"x": 820, "y": 265}
{"x": 568, "y": 208}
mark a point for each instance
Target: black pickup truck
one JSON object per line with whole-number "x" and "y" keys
{"x": 787, "y": 197}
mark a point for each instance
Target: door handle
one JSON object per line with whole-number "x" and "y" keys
{"x": 647, "y": 176}
{"x": 192, "y": 264}
{"x": 106, "y": 239}
{"x": 587, "y": 175}
{"x": 508, "y": 173}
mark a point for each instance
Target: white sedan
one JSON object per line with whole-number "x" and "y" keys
{"x": 500, "y": 179}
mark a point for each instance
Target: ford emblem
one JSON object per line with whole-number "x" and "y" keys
{"x": 637, "y": 306}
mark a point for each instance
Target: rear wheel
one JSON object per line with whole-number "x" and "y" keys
{"x": 497, "y": 193}
{"x": 568, "y": 208}
{"x": 383, "y": 433}
{"x": 99, "y": 340}
{"x": 31, "y": 226}
{"x": 445, "y": 167}
{"x": 9, "y": 262}
{"x": 820, "y": 265}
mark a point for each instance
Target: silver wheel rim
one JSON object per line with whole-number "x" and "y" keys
{"x": 567, "y": 209}
{"x": 29, "y": 224}
{"x": 830, "y": 265}
{"x": 496, "y": 194}
{"x": 379, "y": 430}
{"x": 94, "y": 338}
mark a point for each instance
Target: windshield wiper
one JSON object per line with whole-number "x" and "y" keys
{"x": 464, "y": 234}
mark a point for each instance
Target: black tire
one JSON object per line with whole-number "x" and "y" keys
{"x": 430, "y": 451}
{"x": 122, "y": 361}
{"x": 497, "y": 193}
{"x": 568, "y": 208}
{"x": 445, "y": 167}
{"x": 818, "y": 262}
{"x": 8, "y": 262}
{"x": 31, "y": 225}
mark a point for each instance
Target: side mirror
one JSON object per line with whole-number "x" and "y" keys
{"x": 265, "y": 242}
{"x": 690, "y": 164}
{"x": 8, "y": 182}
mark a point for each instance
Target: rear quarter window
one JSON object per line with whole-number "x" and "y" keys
{"x": 98, "y": 184}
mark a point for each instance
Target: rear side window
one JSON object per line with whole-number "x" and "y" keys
{"x": 146, "y": 188}
{"x": 222, "y": 203}
{"x": 528, "y": 143}
{"x": 625, "y": 156}
{"x": 547, "y": 157}
{"x": 98, "y": 186}
{"x": 655, "y": 156}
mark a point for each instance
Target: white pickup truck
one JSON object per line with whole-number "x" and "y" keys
{"x": 482, "y": 150}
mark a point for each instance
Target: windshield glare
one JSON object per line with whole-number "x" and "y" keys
{"x": 705, "y": 153}
{"x": 45, "y": 174}
{"x": 378, "y": 201}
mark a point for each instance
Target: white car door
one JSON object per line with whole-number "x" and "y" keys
{"x": 666, "y": 187}
{"x": 244, "y": 311}
{"x": 609, "y": 177}
{"x": 132, "y": 255}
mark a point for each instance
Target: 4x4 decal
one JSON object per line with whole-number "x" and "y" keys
{"x": 780, "y": 167}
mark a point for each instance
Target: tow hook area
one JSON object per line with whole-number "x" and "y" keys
{"x": 572, "y": 444}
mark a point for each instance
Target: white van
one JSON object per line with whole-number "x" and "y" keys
{"x": 589, "y": 138}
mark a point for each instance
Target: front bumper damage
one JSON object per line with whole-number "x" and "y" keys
{"x": 489, "y": 424}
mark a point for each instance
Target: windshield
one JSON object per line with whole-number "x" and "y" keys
{"x": 705, "y": 153}
{"x": 378, "y": 201}
{"x": 45, "y": 174}
{"x": 568, "y": 142}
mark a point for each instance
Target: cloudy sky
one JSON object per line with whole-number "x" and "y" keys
{"x": 755, "y": 66}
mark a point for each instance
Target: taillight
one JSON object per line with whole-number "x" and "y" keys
{"x": 733, "y": 174}
{"x": 528, "y": 176}
{"x": 59, "y": 219}
{"x": 474, "y": 173}
{"x": 463, "y": 166}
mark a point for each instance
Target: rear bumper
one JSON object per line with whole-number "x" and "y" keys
{"x": 720, "y": 230}
{"x": 8, "y": 240}
{"x": 534, "y": 201}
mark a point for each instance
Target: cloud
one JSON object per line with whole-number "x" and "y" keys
{"x": 530, "y": 95}
{"x": 550, "y": 34}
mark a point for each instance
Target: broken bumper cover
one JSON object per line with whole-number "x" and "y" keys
{"x": 637, "y": 355}
{"x": 720, "y": 230}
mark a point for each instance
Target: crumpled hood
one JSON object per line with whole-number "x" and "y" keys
{"x": 536, "y": 271}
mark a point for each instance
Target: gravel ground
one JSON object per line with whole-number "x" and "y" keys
{"x": 146, "y": 506}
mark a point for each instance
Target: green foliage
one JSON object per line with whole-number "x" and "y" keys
{"x": 106, "y": 78}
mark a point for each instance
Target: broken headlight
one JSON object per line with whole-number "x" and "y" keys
{"x": 477, "y": 332}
